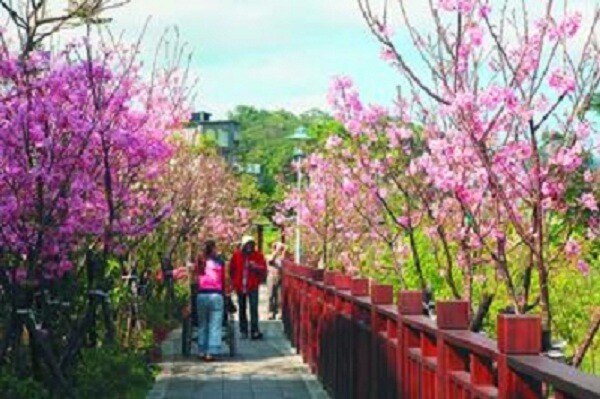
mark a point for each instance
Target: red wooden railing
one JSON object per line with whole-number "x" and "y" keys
{"x": 362, "y": 345}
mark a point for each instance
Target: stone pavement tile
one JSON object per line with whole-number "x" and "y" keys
{"x": 239, "y": 395}
{"x": 218, "y": 394}
{"x": 185, "y": 386}
{"x": 264, "y": 385}
{"x": 233, "y": 386}
{"x": 292, "y": 386}
{"x": 295, "y": 395}
{"x": 210, "y": 386}
{"x": 268, "y": 395}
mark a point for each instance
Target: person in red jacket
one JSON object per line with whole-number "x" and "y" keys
{"x": 248, "y": 268}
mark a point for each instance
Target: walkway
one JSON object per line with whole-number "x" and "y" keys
{"x": 267, "y": 369}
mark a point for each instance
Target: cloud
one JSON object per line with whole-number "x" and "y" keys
{"x": 272, "y": 53}
{"x": 234, "y": 24}
{"x": 276, "y": 53}
{"x": 276, "y": 81}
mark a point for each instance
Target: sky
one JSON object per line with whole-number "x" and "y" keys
{"x": 267, "y": 53}
{"x": 281, "y": 54}
{"x": 278, "y": 54}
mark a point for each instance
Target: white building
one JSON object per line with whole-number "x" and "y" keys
{"x": 225, "y": 134}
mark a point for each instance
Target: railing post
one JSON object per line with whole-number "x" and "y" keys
{"x": 302, "y": 308}
{"x": 410, "y": 303}
{"x": 327, "y": 333}
{"x": 341, "y": 282}
{"x": 284, "y": 303}
{"x": 307, "y": 312}
{"x": 320, "y": 321}
{"x": 518, "y": 335}
{"x": 304, "y": 294}
{"x": 340, "y": 343}
{"x": 451, "y": 315}
{"x": 316, "y": 313}
{"x": 360, "y": 355}
{"x": 380, "y": 295}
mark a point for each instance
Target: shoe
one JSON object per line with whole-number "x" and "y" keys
{"x": 272, "y": 317}
{"x": 244, "y": 335}
{"x": 257, "y": 335}
{"x": 209, "y": 358}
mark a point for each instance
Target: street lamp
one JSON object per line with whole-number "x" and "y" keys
{"x": 300, "y": 135}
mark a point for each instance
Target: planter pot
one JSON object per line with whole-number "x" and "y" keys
{"x": 155, "y": 354}
{"x": 160, "y": 334}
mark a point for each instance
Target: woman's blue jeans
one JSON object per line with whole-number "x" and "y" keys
{"x": 210, "y": 320}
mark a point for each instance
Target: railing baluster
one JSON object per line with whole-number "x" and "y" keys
{"x": 518, "y": 335}
{"x": 340, "y": 362}
{"x": 409, "y": 304}
{"x": 359, "y": 288}
{"x": 451, "y": 315}
{"x": 380, "y": 295}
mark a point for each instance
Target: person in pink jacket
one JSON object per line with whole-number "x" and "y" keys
{"x": 212, "y": 285}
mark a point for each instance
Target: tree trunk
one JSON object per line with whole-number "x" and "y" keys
{"x": 588, "y": 339}
{"x": 482, "y": 311}
{"x": 416, "y": 259}
{"x": 545, "y": 307}
{"x": 41, "y": 340}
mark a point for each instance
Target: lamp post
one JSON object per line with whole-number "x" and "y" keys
{"x": 300, "y": 135}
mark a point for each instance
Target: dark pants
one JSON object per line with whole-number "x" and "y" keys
{"x": 252, "y": 296}
{"x": 274, "y": 298}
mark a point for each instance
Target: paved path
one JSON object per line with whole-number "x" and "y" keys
{"x": 267, "y": 369}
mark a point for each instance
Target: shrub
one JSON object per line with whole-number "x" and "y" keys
{"x": 15, "y": 387}
{"x": 112, "y": 373}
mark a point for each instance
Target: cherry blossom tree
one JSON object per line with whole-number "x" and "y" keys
{"x": 205, "y": 200}
{"x": 83, "y": 139}
{"x": 487, "y": 151}
{"x": 503, "y": 109}
{"x": 332, "y": 229}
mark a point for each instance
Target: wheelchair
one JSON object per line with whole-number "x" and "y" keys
{"x": 189, "y": 328}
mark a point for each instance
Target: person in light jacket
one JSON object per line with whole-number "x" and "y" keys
{"x": 275, "y": 263}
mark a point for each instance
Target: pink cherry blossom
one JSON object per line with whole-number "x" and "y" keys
{"x": 583, "y": 267}
{"x": 561, "y": 82}
{"x": 333, "y": 141}
{"x": 572, "y": 249}
{"x": 589, "y": 202}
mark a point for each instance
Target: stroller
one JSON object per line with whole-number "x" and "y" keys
{"x": 189, "y": 330}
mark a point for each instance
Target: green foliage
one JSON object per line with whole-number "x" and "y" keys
{"x": 595, "y": 103}
{"x": 155, "y": 313}
{"x": 144, "y": 340}
{"x": 264, "y": 141}
{"x": 112, "y": 373}
{"x": 252, "y": 194}
{"x": 203, "y": 144}
{"x": 576, "y": 297}
{"x": 271, "y": 235}
{"x": 15, "y": 387}
{"x": 182, "y": 296}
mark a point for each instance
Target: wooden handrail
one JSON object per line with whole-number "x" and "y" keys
{"x": 363, "y": 344}
{"x": 567, "y": 379}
